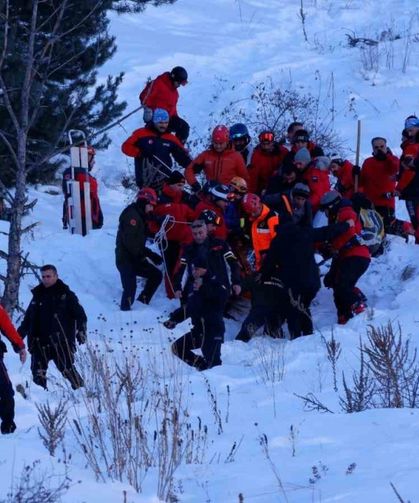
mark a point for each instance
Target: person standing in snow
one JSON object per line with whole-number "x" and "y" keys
{"x": 162, "y": 92}
{"x": 133, "y": 258}
{"x": 207, "y": 289}
{"x": 7, "y": 402}
{"x": 350, "y": 258}
{"x": 220, "y": 163}
{"x": 53, "y": 322}
{"x": 154, "y": 149}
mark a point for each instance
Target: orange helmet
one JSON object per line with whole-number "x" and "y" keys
{"x": 238, "y": 184}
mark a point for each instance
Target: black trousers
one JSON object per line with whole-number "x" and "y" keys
{"x": 295, "y": 308}
{"x": 7, "y": 402}
{"x": 171, "y": 256}
{"x": 129, "y": 273}
{"x": 180, "y": 127}
{"x": 259, "y": 316}
{"x": 207, "y": 331}
{"x": 63, "y": 357}
{"x": 345, "y": 274}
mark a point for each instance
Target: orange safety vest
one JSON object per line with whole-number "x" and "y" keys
{"x": 263, "y": 231}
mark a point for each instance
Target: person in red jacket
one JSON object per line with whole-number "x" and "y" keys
{"x": 220, "y": 163}
{"x": 7, "y": 402}
{"x": 153, "y": 148}
{"x": 350, "y": 258}
{"x": 162, "y": 92}
{"x": 216, "y": 199}
{"x": 378, "y": 179}
{"x": 175, "y": 203}
{"x": 345, "y": 173}
{"x": 314, "y": 174}
{"x": 82, "y": 176}
{"x": 266, "y": 160}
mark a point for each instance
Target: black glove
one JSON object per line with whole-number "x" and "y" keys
{"x": 328, "y": 280}
{"x": 81, "y": 335}
{"x": 196, "y": 187}
{"x": 356, "y": 170}
{"x": 197, "y": 168}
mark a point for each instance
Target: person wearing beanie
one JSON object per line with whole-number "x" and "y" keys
{"x": 162, "y": 93}
{"x": 133, "y": 258}
{"x": 154, "y": 148}
{"x": 301, "y": 139}
{"x": 315, "y": 174}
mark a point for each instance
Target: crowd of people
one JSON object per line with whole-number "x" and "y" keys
{"x": 234, "y": 222}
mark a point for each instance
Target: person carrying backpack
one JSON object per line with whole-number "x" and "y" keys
{"x": 162, "y": 92}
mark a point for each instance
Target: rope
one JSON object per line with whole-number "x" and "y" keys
{"x": 162, "y": 243}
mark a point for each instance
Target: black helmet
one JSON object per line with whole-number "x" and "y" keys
{"x": 330, "y": 200}
{"x": 238, "y": 130}
{"x": 220, "y": 191}
{"x": 179, "y": 74}
{"x": 209, "y": 217}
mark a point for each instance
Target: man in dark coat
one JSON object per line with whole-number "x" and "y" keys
{"x": 7, "y": 402}
{"x": 133, "y": 258}
{"x": 154, "y": 149}
{"x": 207, "y": 290}
{"x": 53, "y": 322}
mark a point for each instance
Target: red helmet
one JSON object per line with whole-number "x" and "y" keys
{"x": 251, "y": 203}
{"x": 147, "y": 194}
{"x": 220, "y": 134}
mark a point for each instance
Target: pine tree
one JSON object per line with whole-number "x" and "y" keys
{"x": 49, "y": 53}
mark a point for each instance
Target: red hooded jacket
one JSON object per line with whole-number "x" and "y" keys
{"x": 318, "y": 181}
{"x": 378, "y": 178}
{"x": 161, "y": 93}
{"x": 345, "y": 185}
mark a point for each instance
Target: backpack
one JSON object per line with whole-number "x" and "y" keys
{"x": 372, "y": 233}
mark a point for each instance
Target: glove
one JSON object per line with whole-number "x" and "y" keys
{"x": 81, "y": 336}
{"x": 196, "y": 187}
{"x": 328, "y": 280}
{"x": 197, "y": 168}
{"x": 147, "y": 114}
{"x": 356, "y": 170}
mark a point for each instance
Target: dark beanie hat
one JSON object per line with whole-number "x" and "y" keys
{"x": 175, "y": 177}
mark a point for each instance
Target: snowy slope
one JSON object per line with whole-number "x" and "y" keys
{"x": 224, "y": 43}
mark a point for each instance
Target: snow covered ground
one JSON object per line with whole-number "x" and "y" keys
{"x": 310, "y": 456}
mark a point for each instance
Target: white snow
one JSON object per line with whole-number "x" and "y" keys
{"x": 224, "y": 43}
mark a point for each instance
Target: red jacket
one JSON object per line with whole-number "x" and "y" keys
{"x": 161, "y": 93}
{"x": 218, "y": 167}
{"x": 263, "y": 165}
{"x": 7, "y": 328}
{"x": 409, "y": 177}
{"x": 346, "y": 184}
{"x": 379, "y": 177}
{"x": 221, "y": 230}
{"x": 318, "y": 181}
{"x": 170, "y": 203}
{"x": 342, "y": 243}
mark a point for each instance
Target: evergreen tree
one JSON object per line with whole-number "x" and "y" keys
{"x": 63, "y": 90}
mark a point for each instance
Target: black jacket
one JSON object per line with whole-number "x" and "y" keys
{"x": 132, "y": 235}
{"x": 53, "y": 315}
{"x": 291, "y": 255}
{"x": 212, "y": 255}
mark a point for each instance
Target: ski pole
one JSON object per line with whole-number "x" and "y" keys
{"x": 116, "y": 123}
{"x": 358, "y": 146}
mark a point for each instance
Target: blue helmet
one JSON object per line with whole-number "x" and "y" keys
{"x": 238, "y": 131}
